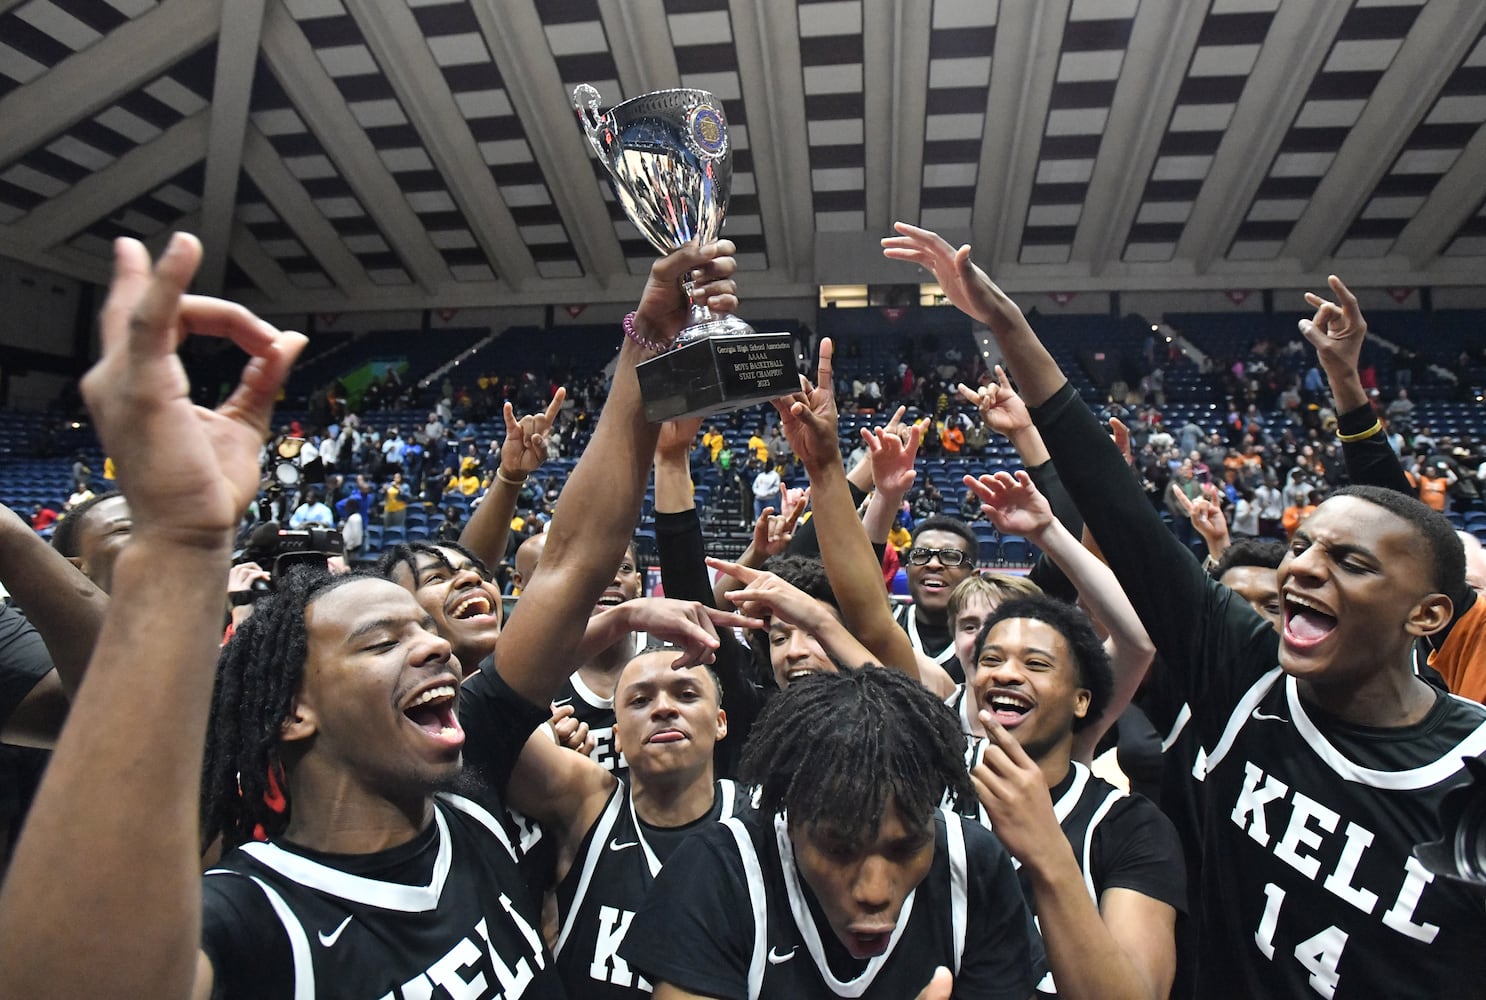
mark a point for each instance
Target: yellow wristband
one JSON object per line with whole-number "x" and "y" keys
{"x": 1348, "y": 438}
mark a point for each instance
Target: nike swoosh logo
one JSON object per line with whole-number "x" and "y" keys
{"x": 779, "y": 958}
{"x": 564, "y": 701}
{"x": 1263, "y": 717}
{"x": 615, "y": 845}
{"x": 329, "y": 940}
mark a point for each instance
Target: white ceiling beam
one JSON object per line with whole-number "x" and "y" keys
{"x": 640, "y": 41}
{"x": 232, "y": 89}
{"x": 514, "y": 34}
{"x": 89, "y": 81}
{"x": 895, "y": 39}
{"x": 1454, "y": 200}
{"x": 294, "y": 205}
{"x": 1443, "y": 34}
{"x": 137, "y": 172}
{"x": 1155, "y": 65}
{"x": 767, "y": 36}
{"x": 261, "y": 269}
{"x": 65, "y": 260}
{"x": 1293, "y": 53}
{"x": 396, "y": 41}
{"x": 318, "y": 101}
{"x": 1023, "y": 68}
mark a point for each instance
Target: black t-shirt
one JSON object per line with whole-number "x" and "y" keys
{"x": 449, "y": 908}
{"x": 23, "y": 660}
{"x": 729, "y": 916}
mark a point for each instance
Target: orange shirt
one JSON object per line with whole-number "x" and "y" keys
{"x": 1433, "y": 491}
{"x": 1461, "y": 661}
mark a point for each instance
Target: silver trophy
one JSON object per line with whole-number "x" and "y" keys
{"x": 671, "y": 165}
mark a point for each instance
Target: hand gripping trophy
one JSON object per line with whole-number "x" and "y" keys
{"x": 671, "y": 164}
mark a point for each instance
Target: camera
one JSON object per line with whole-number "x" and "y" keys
{"x": 281, "y": 549}
{"x": 1460, "y": 855}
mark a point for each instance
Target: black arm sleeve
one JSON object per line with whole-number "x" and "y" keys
{"x": 1044, "y": 572}
{"x": 23, "y": 660}
{"x": 683, "y": 574}
{"x": 1370, "y": 461}
{"x": 496, "y": 722}
{"x": 1207, "y": 636}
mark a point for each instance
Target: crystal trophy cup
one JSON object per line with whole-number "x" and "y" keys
{"x": 668, "y": 156}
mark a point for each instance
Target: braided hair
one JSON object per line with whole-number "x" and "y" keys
{"x": 406, "y": 554}
{"x": 244, "y": 792}
{"x": 833, "y": 749}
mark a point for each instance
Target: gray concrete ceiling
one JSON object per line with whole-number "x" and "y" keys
{"x": 345, "y": 154}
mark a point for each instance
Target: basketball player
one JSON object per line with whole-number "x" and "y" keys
{"x": 1107, "y": 891}
{"x": 848, "y": 881}
{"x": 369, "y": 884}
{"x": 1329, "y": 755}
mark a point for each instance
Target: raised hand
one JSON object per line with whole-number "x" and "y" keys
{"x": 676, "y": 436}
{"x": 690, "y": 625}
{"x": 1206, "y": 515}
{"x": 1337, "y": 330}
{"x": 765, "y": 595}
{"x": 1013, "y": 503}
{"x": 773, "y": 532}
{"x": 891, "y": 455}
{"x": 964, "y": 283}
{"x": 525, "y": 447}
{"x": 189, "y": 472}
{"x": 808, "y": 418}
{"x": 664, "y": 308}
{"x": 1000, "y": 407}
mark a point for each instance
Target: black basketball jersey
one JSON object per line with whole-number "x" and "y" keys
{"x": 942, "y": 655}
{"x": 598, "y": 712}
{"x": 730, "y": 916}
{"x": 446, "y": 915}
{"x": 1318, "y": 892}
{"x": 1121, "y": 840}
{"x": 609, "y": 879}
{"x": 960, "y": 701}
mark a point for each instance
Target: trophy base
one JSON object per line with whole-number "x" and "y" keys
{"x": 716, "y": 374}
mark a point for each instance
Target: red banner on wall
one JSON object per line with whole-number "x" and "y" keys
{"x": 1400, "y": 294}
{"x": 1237, "y": 295}
{"x": 575, "y": 310}
{"x": 1061, "y": 298}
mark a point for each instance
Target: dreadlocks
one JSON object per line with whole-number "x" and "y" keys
{"x": 406, "y": 554}
{"x": 244, "y": 793}
{"x": 832, "y": 749}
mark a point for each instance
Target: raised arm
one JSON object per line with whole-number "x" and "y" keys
{"x": 521, "y": 454}
{"x": 1016, "y": 507}
{"x": 808, "y": 419}
{"x": 189, "y": 473}
{"x": 1337, "y": 332}
{"x": 601, "y": 500}
{"x": 1176, "y": 602}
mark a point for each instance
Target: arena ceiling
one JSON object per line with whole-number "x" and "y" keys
{"x": 343, "y": 154}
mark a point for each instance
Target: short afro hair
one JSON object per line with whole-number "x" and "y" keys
{"x": 950, "y": 525}
{"x": 1265, "y": 553}
{"x": 1090, "y": 661}
{"x": 65, "y": 537}
{"x": 1446, "y": 554}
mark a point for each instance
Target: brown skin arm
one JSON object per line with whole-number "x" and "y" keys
{"x": 808, "y": 419}
{"x": 188, "y": 473}
{"x": 524, "y": 451}
{"x": 601, "y": 501}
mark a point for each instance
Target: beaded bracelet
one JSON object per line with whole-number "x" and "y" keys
{"x": 629, "y": 331}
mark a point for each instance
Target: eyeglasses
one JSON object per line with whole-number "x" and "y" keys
{"x": 946, "y": 557}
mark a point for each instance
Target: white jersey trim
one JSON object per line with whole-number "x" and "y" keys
{"x": 910, "y": 625}
{"x": 369, "y": 892}
{"x": 596, "y": 848}
{"x": 587, "y": 693}
{"x": 806, "y": 922}
{"x": 299, "y": 943}
{"x": 484, "y": 817}
{"x": 959, "y": 882}
{"x": 1182, "y": 718}
{"x": 1246, "y": 704}
{"x": 753, "y": 876}
{"x": 1104, "y": 807}
{"x": 1443, "y": 768}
